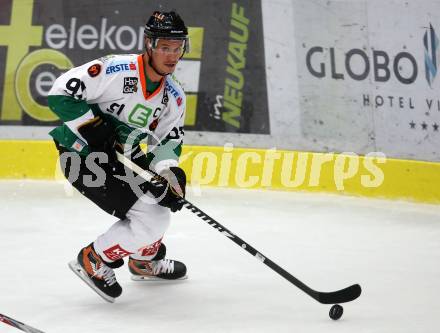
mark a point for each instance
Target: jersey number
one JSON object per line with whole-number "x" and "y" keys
{"x": 175, "y": 133}
{"x": 116, "y": 107}
{"x": 75, "y": 87}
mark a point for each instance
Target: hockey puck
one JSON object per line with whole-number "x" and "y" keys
{"x": 336, "y": 312}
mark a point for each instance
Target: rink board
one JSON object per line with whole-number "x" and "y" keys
{"x": 372, "y": 176}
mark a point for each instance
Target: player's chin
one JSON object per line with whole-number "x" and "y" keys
{"x": 170, "y": 67}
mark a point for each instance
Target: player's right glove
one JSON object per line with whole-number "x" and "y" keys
{"x": 101, "y": 137}
{"x": 170, "y": 187}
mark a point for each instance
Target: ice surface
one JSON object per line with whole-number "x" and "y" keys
{"x": 391, "y": 248}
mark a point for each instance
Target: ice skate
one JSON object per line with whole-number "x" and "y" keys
{"x": 157, "y": 269}
{"x": 97, "y": 274}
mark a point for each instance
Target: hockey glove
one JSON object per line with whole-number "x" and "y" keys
{"x": 169, "y": 187}
{"x": 101, "y": 137}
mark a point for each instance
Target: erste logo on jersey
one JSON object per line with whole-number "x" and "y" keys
{"x": 174, "y": 92}
{"x": 130, "y": 85}
{"x": 120, "y": 67}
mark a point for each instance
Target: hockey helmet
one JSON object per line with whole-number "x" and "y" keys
{"x": 166, "y": 25}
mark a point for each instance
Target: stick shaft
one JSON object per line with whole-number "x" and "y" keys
{"x": 340, "y": 296}
{"x": 17, "y": 324}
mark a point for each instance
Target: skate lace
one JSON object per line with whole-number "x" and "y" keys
{"x": 163, "y": 266}
{"x": 107, "y": 273}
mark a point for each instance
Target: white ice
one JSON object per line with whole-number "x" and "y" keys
{"x": 391, "y": 248}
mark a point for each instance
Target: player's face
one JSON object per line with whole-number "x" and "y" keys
{"x": 167, "y": 54}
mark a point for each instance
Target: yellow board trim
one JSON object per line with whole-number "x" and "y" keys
{"x": 262, "y": 169}
{"x": 196, "y": 42}
{"x": 191, "y": 109}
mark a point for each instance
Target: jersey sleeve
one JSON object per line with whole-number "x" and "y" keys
{"x": 74, "y": 90}
{"x": 165, "y": 146}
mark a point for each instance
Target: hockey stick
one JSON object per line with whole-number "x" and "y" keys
{"x": 17, "y": 324}
{"x": 340, "y": 296}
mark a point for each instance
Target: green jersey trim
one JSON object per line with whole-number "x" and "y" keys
{"x": 67, "y": 108}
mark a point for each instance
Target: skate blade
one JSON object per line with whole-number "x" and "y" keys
{"x": 78, "y": 270}
{"x": 155, "y": 278}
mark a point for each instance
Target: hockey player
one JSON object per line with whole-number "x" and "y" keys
{"x": 113, "y": 103}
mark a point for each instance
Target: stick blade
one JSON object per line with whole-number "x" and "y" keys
{"x": 341, "y": 296}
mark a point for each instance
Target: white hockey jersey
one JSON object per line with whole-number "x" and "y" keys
{"x": 115, "y": 88}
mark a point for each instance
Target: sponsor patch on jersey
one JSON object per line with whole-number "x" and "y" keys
{"x": 130, "y": 85}
{"x": 94, "y": 70}
{"x": 165, "y": 97}
{"x": 121, "y": 67}
{"x": 153, "y": 125}
{"x": 78, "y": 145}
{"x": 173, "y": 92}
{"x": 116, "y": 252}
{"x": 150, "y": 250}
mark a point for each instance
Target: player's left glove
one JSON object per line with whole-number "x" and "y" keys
{"x": 170, "y": 188}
